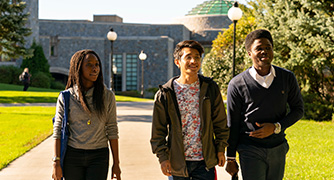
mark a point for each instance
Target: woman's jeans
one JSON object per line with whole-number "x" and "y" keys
{"x": 80, "y": 164}
{"x": 197, "y": 171}
{"x": 262, "y": 163}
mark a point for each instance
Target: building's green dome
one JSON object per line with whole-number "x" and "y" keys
{"x": 212, "y": 7}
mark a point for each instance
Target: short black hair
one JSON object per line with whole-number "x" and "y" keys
{"x": 257, "y": 34}
{"x": 190, "y": 44}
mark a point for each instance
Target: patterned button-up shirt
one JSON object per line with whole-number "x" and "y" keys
{"x": 188, "y": 101}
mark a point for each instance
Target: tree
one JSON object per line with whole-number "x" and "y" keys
{"x": 12, "y": 29}
{"x": 304, "y": 43}
{"x": 38, "y": 62}
{"x": 218, "y": 63}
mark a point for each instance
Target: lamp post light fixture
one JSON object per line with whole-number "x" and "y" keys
{"x": 234, "y": 13}
{"x": 142, "y": 57}
{"x": 112, "y": 36}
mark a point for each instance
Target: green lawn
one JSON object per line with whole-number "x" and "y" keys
{"x": 14, "y": 94}
{"x": 311, "y": 154}
{"x": 12, "y": 87}
{"x": 22, "y": 128}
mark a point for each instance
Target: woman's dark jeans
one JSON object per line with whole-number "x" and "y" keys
{"x": 82, "y": 164}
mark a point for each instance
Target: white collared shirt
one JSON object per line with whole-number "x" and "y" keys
{"x": 264, "y": 81}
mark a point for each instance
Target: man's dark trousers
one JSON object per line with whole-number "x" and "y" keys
{"x": 262, "y": 163}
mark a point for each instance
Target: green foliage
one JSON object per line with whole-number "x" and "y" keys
{"x": 218, "y": 63}
{"x": 13, "y": 30}
{"x": 10, "y": 74}
{"x": 41, "y": 79}
{"x": 316, "y": 108}
{"x": 303, "y": 32}
{"x": 129, "y": 93}
{"x": 22, "y": 128}
{"x": 57, "y": 85}
{"x": 150, "y": 92}
{"x": 38, "y": 62}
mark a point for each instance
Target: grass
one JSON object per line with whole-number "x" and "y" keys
{"x": 28, "y": 97}
{"x": 13, "y": 94}
{"x": 311, "y": 154}
{"x": 12, "y": 87}
{"x": 22, "y": 128}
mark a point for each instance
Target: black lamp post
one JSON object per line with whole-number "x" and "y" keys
{"x": 142, "y": 57}
{"x": 112, "y": 36}
{"x": 234, "y": 13}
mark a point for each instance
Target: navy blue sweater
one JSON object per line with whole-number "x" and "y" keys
{"x": 248, "y": 102}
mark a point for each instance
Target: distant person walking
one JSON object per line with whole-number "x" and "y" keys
{"x": 25, "y": 78}
{"x": 91, "y": 121}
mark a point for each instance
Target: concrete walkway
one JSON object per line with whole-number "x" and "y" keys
{"x": 137, "y": 160}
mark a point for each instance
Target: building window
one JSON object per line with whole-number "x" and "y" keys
{"x": 117, "y": 70}
{"x": 53, "y": 46}
{"x": 131, "y": 72}
{"x": 52, "y": 50}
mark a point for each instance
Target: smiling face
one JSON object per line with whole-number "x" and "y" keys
{"x": 190, "y": 62}
{"x": 261, "y": 53}
{"x": 90, "y": 70}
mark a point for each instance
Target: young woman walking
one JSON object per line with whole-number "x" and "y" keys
{"x": 91, "y": 121}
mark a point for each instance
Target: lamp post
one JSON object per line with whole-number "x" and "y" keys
{"x": 234, "y": 13}
{"x": 112, "y": 36}
{"x": 142, "y": 57}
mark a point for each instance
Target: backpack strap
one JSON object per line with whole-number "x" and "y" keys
{"x": 64, "y": 129}
{"x": 66, "y": 99}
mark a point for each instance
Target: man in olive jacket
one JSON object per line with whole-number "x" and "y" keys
{"x": 189, "y": 128}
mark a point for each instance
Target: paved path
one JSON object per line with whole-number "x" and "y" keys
{"x": 137, "y": 160}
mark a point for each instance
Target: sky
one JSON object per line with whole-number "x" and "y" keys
{"x": 132, "y": 11}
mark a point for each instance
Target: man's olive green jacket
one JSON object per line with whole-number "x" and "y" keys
{"x": 167, "y": 139}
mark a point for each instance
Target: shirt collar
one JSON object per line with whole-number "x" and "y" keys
{"x": 255, "y": 75}
{"x": 89, "y": 93}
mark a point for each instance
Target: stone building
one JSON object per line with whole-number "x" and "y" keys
{"x": 62, "y": 38}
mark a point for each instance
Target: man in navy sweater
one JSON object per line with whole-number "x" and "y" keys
{"x": 257, "y": 111}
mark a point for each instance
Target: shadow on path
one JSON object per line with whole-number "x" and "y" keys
{"x": 135, "y": 118}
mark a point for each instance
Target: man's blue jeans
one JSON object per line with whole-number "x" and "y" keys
{"x": 197, "y": 171}
{"x": 262, "y": 163}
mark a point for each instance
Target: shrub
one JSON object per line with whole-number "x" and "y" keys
{"x": 316, "y": 108}
{"x": 41, "y": 80}
{"x": 57, "y": 85}
{"x": 150, "y": 92}
{"x": 4, "y": 71}
{"x": 128, "y": 93}
{"x": 10, "y": 74}
{"x": 15, "y": 75}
